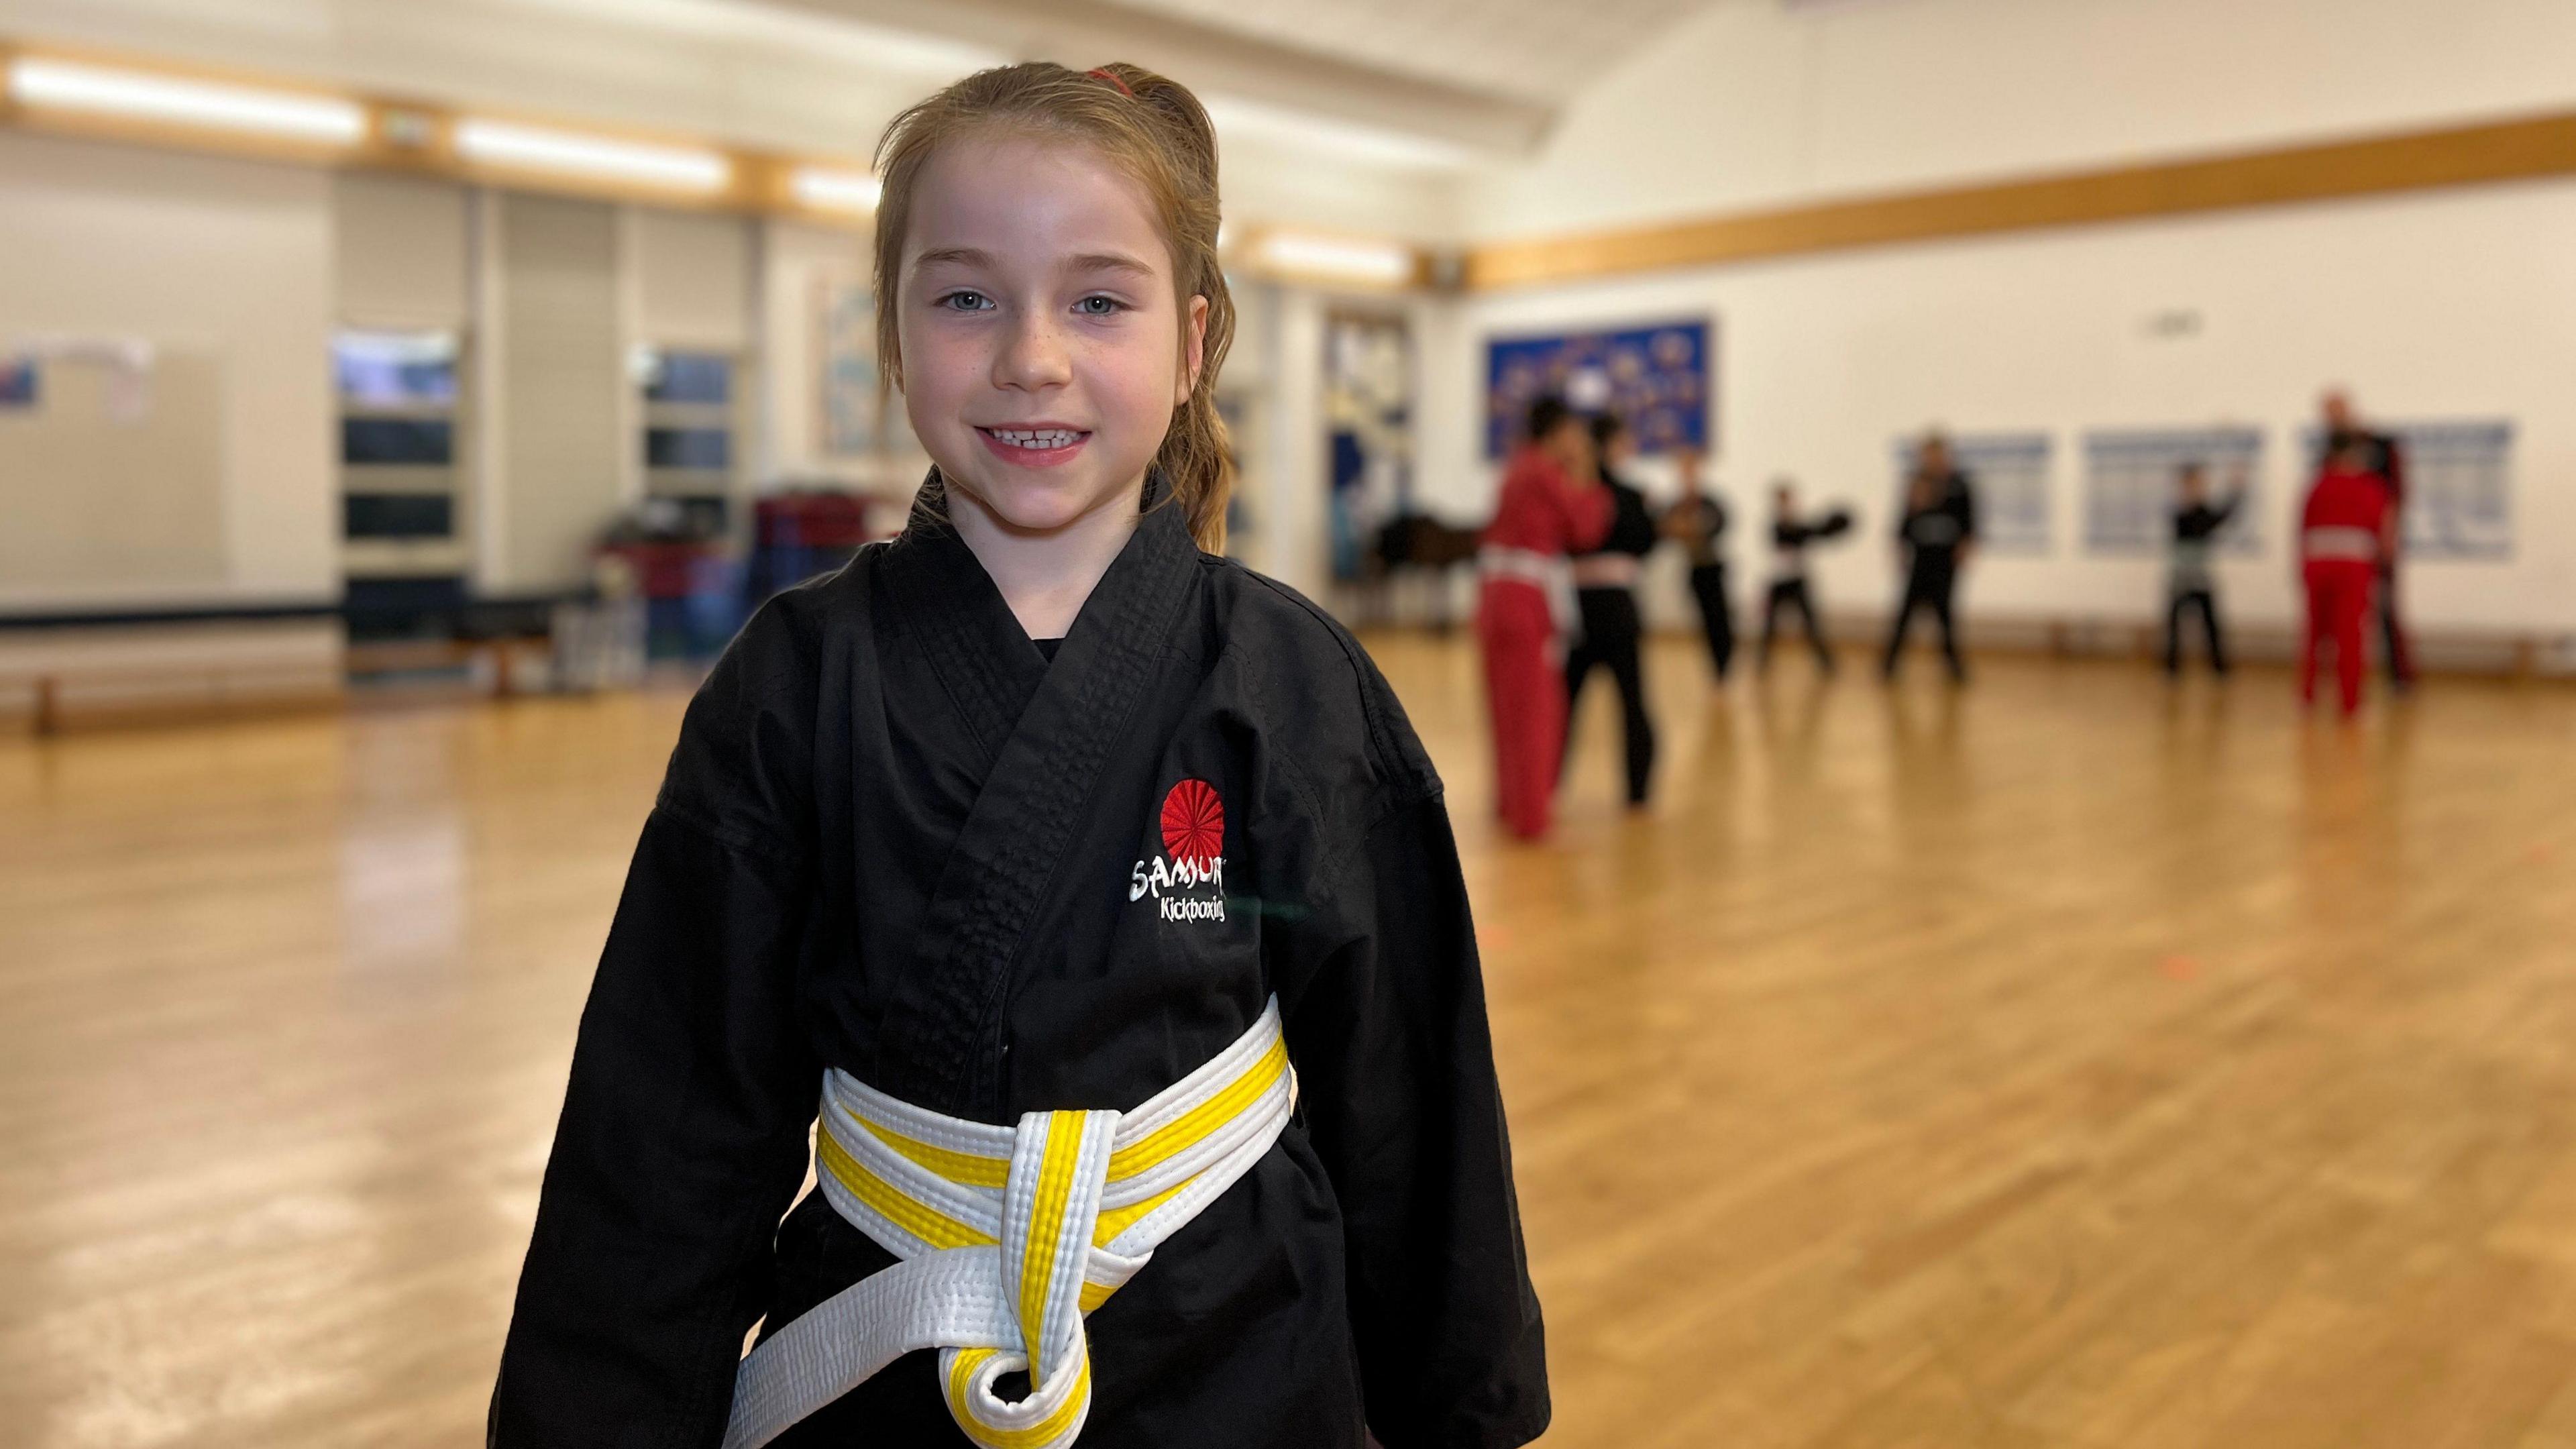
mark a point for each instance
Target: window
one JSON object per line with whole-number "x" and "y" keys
{"x": 688, "y": 427}
{"x": 399, "y": 489}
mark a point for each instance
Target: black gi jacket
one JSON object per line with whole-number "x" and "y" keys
{"x": 1935, "y": 531}
{"x": 1707, "y": 525}
{"x": 896, "y": 839}
{"x": 1632, "y": 524}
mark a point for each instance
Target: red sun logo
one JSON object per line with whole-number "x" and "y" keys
{"x": 1194, "y": 824}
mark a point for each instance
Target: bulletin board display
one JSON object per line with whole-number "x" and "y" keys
{"x": 2459, "y": 485}
{"x": 850, "y": 415}
{"x": 2009, "y": 473}
{"x": 112, "y": 473}
{"x": 1661, "y": 378}
{"x": 2132, "y": 484}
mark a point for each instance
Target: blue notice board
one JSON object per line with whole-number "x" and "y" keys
{"x": 1660, "y": 377}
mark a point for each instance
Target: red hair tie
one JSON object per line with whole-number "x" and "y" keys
{"x": 1112, "y": 78}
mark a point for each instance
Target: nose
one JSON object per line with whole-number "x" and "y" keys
{"x": 1033, "y": 356}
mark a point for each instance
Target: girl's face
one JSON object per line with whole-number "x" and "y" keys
{"x": 1043, "y": 347}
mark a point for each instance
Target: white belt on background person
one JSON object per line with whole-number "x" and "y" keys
{"x": 1547, "y": 572}
{"x": 1608, "y": 571}
{"x": 1008, "y": 1237}
{"x": 2338, "y": 541}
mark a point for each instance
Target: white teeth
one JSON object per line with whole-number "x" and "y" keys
{"x": 1028, "y": 438}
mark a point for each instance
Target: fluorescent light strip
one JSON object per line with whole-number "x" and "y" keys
{"x": 72, "y": 86}
{"x": 827, "y": 189}
{"x": 537, "y": 148}
{"x": 1382, "y": 262}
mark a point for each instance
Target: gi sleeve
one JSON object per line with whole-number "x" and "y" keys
{"x": 1396, "y": 1081}
{"x": 683, "y": 1133}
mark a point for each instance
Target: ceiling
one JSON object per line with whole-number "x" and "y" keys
{"x": 1385, "y": 89}
{"x": 1538, "y": 50}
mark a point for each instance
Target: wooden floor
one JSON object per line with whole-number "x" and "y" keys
{"x": 2069, "y": 1061}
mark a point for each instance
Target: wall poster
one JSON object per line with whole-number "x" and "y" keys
{"x": 1660, "y": 377}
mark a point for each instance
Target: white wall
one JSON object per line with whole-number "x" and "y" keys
{"x": 693, "y": 274}
{"x": 1756, "y": 104}
{"x": 402, "y": 251}
{"x": 566, "y": 429}
{"x": 228, "y": 260}
{"x": 2457, "y": 304}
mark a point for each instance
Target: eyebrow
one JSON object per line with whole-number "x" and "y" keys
{"x": 1111, "y": 262}
{"x": 1087, "y": 262}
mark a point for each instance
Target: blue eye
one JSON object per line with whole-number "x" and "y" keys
{"x": 962, "y": 301}
{"x": 1100, "y": 306}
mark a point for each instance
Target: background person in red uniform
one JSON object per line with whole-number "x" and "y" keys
{"x": 1552, "y": 504}
{"x": 2344, "y": 535}
{"x": 2380, "y": 455}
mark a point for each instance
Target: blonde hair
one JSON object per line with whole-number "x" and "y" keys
{"x": 1156, "y": 131}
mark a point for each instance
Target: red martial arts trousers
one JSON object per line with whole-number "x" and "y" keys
{"x": 2338, "y": 605}
{"x": 1526, "y": 693}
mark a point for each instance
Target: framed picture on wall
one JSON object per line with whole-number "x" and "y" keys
{"x": 847, "y": 421}
{"x": 2009, "y": 473}
{"x": 2133, "y": 481}
{"x": 1368, "y": 406}
{"x": 1661, "y": 378}
{"x": 2458, "y": 500}
{"x": 18, "y": 385}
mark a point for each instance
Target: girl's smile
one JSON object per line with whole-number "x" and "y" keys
{"x": 1037, "y": 445}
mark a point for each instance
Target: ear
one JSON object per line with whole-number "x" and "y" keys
{"x": 1193, "y": 352}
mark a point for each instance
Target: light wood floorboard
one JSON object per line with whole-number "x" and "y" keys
{"x": 2069, "y": 1061}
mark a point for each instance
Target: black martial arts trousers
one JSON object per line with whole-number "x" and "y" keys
{"x": 1708, "y": 585}
{"x": 2207, "y": 603}
{"x": 1928, "y": 586}
{"x": 1610, "y": 635}
{"x": 1792, "y": 594}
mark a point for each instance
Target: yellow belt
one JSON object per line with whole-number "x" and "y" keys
{"x": 1008, "y": 1236}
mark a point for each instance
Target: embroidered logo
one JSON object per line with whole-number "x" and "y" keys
{"x": 1193, "y": 825}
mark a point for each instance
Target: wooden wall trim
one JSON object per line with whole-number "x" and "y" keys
{"x": 2455, "y": 156}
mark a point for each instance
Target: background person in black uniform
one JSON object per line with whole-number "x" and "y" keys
{"x": 2195, "y": 525}
{"x": 1697, "y": 521}
{"x": 2381, "y": 455}
{"x": 1605, "y": 582}
{"x": 1790, "y": 535}
{"x": 1939, "y": 532}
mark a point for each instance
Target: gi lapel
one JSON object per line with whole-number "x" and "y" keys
{"x": 944, "y": 1035}
{"x": 948, "y": 607}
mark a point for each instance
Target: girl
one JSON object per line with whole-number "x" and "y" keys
{"x": 1010, "y": 852}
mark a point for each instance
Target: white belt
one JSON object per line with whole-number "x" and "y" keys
{"x": 1008, "y": 1237}
{"x": 1525, "y": 564}
{"x": 2342, "y": 542}
{"x": 1546, "y": 571}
